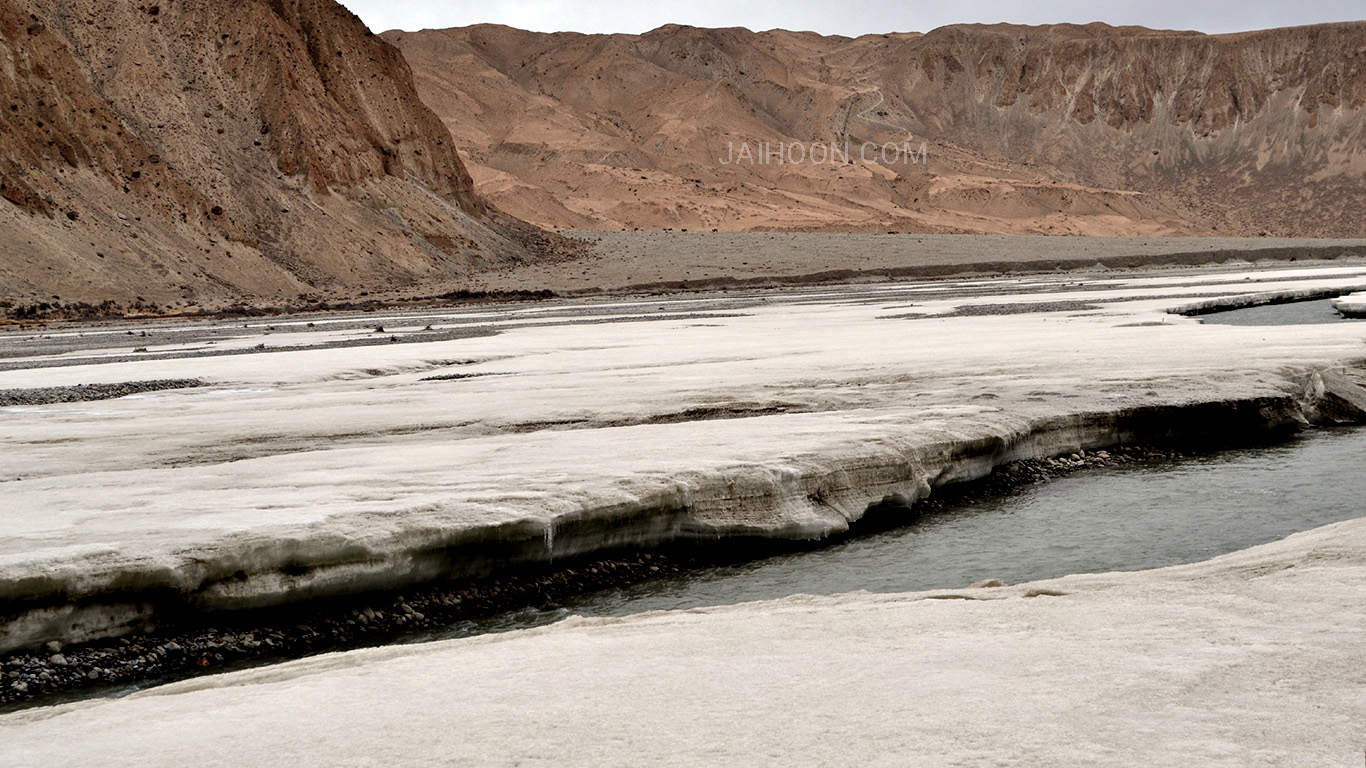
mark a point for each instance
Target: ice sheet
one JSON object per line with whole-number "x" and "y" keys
{"x": 323, "y": 471}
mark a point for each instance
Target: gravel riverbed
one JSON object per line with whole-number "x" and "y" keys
{"x": 87, "y": 392}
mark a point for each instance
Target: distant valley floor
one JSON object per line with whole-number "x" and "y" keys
{"x": 662, "y": 260}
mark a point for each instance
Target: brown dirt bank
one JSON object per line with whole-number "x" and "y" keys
{"x": 682, "y": 260}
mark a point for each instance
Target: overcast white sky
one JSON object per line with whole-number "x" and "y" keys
{"x": 846, "y": 17}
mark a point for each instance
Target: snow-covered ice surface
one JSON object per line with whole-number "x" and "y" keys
{"x": 1251, "y": 659}
{"x": 520, "y": 433}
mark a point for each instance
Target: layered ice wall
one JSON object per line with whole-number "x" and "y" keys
{"x": 316, "y": 467}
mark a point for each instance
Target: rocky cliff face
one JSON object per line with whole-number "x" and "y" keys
{"x": 206, "y": 152}
{"x": 1081, "y": 129}
{"x": 1255, "y": 132}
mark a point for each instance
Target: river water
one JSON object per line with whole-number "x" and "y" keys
{"x": 1132, "y": 517}
{"x": 1293, "y": 313}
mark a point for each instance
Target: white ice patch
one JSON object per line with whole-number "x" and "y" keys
{"x": 1352, "y": 305}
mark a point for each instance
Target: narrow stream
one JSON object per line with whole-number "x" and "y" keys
{"x": 1125, "y": 518}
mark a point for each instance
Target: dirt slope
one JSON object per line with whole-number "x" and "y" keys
{"x": 1059, "y": 129}
{"x": 207, "y": 152}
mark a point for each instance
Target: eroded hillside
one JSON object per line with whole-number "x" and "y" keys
{"x": 1060, "y": 129}
{"x": 205, "y": 152}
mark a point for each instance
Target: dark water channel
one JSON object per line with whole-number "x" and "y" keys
{"x": 1131, "y": 517}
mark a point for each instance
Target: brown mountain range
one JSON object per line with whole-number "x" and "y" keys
{"x": 1059, "y": 129}
{"x": 209, "y": 152}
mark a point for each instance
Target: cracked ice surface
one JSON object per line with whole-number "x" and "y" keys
{"x": 346, "y": 461}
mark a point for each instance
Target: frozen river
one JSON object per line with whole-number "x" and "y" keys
{"x": 147, "y": 470}
{"x": 336, "y": 454}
